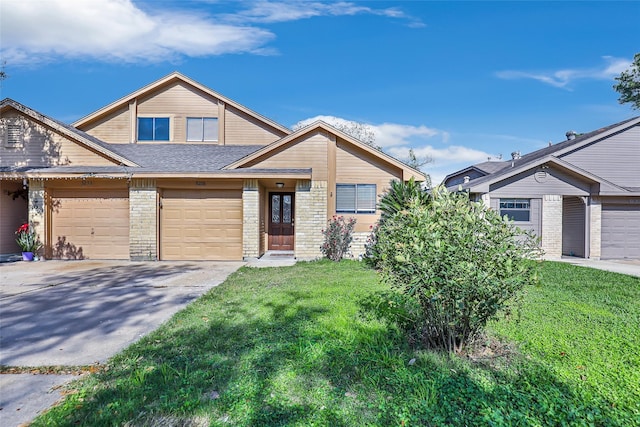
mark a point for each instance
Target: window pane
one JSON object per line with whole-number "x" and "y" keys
{"x": 194, "y": 129}
{"x": 210, "y": 129}
{"x": 516, "y": 215}
{"x": 161, "y": 129}
{"x": 366, "y": 198}
{"x": 346, "y": 198}
{"x": 145, "y": 128}
{"x": 286, "y": 209}
{"x": 275, "y": 208}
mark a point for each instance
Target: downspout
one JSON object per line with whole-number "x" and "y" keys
{"x": 587, "y": 228}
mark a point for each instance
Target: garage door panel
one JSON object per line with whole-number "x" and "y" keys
{"x": 201, "y": 225}
{"x": 90, "y": 224}
{"x": 620, "y": 231}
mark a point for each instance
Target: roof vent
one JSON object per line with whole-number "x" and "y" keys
{"x": 571, "y": 135}
{"x": 515, "y": 155}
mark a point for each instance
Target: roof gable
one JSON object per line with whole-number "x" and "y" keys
{"x": 70, "y": 133}
{"x": 553, "y": 153}
{"x": 282, "y": 144}
{"x": 149, "y": 89}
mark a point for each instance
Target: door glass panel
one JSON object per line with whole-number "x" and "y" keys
{"x": 275, "y": 208}
{"x": 286, "y": 209}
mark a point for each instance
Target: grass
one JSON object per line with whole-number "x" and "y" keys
{"x": 286, "y": 346}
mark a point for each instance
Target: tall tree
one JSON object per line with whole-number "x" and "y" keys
{"x": 628, "y": 85}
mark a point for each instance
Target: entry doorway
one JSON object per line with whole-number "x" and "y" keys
{"x": 281, "y": 221}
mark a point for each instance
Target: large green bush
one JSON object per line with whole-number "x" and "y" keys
{"x": 398, "y": 197}
{"x": 459, "y": 260}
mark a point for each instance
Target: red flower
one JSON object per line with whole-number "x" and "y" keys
{"x": 24, "y": 228}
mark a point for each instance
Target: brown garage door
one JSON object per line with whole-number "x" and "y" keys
{"x": 620, "y": 231}
{"x": 90, "y": 224}
{"x": 201, "y": 225}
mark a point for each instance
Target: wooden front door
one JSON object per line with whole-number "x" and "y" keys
{"x": 281, "y": 221}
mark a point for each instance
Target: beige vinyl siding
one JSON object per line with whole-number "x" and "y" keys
{"x": 114, "y": 128}
{"x": 45, "y": 147}
{"x": 13, "y": 213}
{"x": 242, "y": 129}
{"x": 528, "y": 184}
{"x": 355, "y": 166}
{"x": 177, "y": 101}
{"x": 615, "y": 159}
{"x": 308, "y": 152}
{"x": 89, "y": 223}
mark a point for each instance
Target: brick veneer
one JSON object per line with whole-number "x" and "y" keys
{"x": 552, "y": 226}
{"x": 143, "y": 220}
{"x": 311, "y": 218}
{"x": 250, "y": 219}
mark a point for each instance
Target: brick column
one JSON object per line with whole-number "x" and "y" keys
{"x": 595, "y": 227}
{"x": 37, "y": 212}
{"x": 552, "y": 226}
{"x": 250, "y": 219}
{"x": 311, "y": 218}
{"x": 143, "y": 220}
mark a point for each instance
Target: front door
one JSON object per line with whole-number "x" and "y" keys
{"x": 281, "y": 221}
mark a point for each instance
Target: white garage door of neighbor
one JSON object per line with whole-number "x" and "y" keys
{"x": 620, "y": 231}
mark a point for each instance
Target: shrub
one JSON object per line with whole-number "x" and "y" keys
{"x": 399, "y": 196}
{"x": 337, "y": 237}
{"x": 461, "y": 261}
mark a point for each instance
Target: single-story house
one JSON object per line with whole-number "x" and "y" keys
{"x": 176, "y": 171}
{"x": 580, "y": 196}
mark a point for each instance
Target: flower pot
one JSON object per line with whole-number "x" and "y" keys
{"x": 27, "y": 256}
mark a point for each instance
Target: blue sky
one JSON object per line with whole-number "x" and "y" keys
{"x": 456, "y": 81}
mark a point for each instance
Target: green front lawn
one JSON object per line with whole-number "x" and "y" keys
{"x": 286, "y": 346}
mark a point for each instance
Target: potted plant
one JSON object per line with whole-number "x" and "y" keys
{"x": 28, "y": 241}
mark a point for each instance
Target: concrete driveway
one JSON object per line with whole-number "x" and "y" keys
{"x": 81, "y": 312}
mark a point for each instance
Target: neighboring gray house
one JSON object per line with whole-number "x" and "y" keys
{"x": 581, "y": 196}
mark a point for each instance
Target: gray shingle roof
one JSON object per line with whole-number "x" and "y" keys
{"x": 183, "y": 157}
{"x": 494, "y": 169}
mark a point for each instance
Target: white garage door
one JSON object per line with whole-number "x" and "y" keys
{"x": 201, "y": 225}
{"x": 620, "y": 231}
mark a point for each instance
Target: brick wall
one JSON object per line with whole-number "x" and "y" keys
{"x": 250, "y": 219}
{"x": 143, "y": 220}
{"x": 37, "y": 213}
{"x": 311, "y": 218}
{"x": 552, "y": 226}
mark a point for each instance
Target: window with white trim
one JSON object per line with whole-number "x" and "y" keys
{"x": 516, "y": 209}
{"x": 356, "y": 198}
{"x": 202, "y": 129}
{"x": 153, "y": 128}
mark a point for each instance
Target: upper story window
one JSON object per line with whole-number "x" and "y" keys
{"x": 202, "y": 129}
{"x": 153, "y": 128}
{"x": 356, "y": 198}
{"x": 516, "y": 209}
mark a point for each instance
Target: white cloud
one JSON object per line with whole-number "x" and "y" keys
{"x": 115, "y": 30}
{"x": 282, "y": 11}
{"x": 563, "y": 78}
{"x": 36, "y": 32}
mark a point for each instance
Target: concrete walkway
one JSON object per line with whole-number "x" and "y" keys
{"x": 622, "y": 266}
